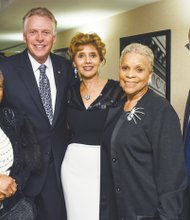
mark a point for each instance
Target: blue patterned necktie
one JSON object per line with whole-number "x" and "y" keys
{"x": 45, "y": 92}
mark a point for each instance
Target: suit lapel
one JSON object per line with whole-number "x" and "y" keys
{"x": 28, "y": 78}
{"x": 27, "y": 75}
{"x": 60, "y": 82}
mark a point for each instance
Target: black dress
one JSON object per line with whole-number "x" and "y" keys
{"x": 81, "y": 166}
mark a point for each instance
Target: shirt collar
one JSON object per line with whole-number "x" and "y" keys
{"x": 35, "y": 64}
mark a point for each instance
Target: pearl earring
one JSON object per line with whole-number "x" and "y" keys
{"x": 76, "y": 73}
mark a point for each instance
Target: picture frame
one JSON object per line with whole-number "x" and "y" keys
{"x": 160, "y": 43}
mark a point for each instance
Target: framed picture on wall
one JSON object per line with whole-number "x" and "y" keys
{"x": 159, "y": 42}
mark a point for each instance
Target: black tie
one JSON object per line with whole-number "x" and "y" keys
{"x": 45, "y": 92}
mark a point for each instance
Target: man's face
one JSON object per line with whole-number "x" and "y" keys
{"x": 39, "y": 37}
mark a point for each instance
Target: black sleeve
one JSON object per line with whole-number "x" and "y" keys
{"x": 170, "y": 173}
{"x": 31, "y": 147}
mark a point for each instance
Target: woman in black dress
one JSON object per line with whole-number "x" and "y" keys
{"x": 145, "y": 144}
{"x": 19, "y": 156}
{"x": 88, "y": 104}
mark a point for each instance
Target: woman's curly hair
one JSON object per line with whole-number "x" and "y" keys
{"x": 81, "y": 39}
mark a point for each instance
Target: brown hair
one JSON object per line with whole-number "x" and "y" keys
{"x": 81, "y": 39}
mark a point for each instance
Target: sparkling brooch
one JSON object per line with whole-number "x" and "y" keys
{"x": 134, "y": 114}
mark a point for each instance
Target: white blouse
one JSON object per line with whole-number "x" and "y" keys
{"x": 6, "y": 153}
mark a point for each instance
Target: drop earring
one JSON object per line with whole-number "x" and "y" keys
{"x": 150, "y": 81}
{"x": 76, "y": 73}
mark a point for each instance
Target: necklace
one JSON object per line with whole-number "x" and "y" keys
{"x": 87, "y": 97}
{"x": 92, "y": 92}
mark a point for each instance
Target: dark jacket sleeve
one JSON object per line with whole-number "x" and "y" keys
{"x": 27, "y": 153}
{"x": 169, "y": 166}
{"x": 31, "y": 147}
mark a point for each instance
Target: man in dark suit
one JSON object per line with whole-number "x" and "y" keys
{"x": 186, "y": 139}
{"x": 22, "y": 79}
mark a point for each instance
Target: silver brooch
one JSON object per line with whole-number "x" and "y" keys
{"x": 135, "y": 114}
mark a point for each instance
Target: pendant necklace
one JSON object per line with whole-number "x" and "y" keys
{"x": 87, "y": 97}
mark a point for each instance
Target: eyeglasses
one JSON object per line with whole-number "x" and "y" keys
{"x": 187, "y": 46}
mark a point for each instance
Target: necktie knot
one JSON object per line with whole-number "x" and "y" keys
{"x": 42, "y": 68}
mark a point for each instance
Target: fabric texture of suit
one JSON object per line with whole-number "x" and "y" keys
{"x": 186, "y": 134}
{"x": 21, "y": 92}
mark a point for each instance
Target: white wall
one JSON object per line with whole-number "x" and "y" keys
{"x": 165, "y": 14}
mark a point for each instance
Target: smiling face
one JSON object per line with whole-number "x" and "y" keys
{"x": 134, "y": 73}
{"x": 39, "y": 36}
{"x": 87, "y": 61}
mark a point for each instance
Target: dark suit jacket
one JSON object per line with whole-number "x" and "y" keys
{"x": 21, "y": 92}
{"x": 186, "y": 134}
